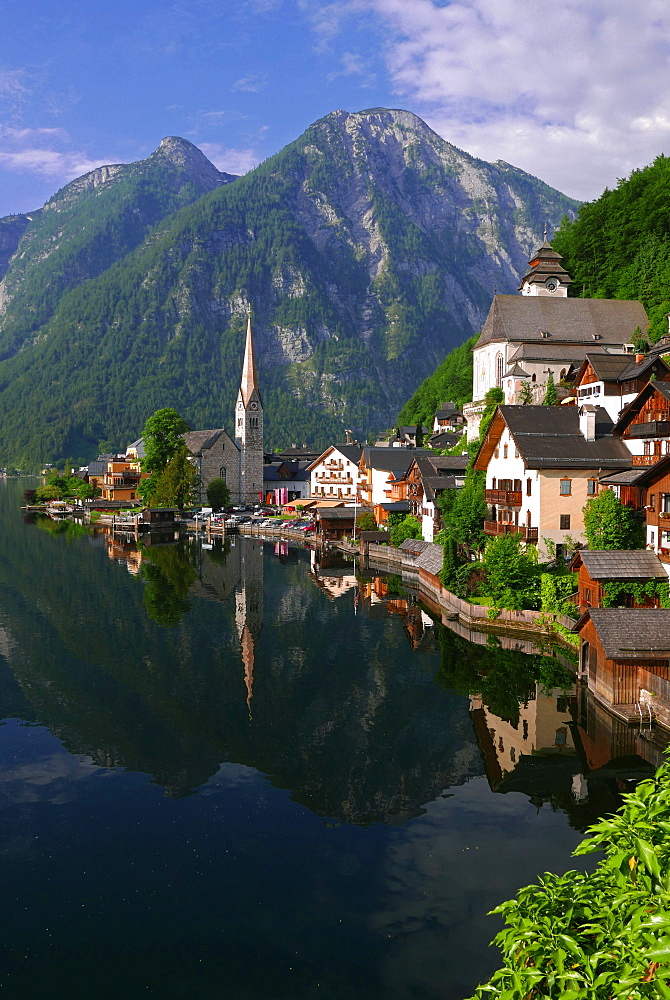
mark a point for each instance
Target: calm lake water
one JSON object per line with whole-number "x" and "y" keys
{"x": 235, "y": 772}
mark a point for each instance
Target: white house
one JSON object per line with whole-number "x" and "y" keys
{"x": 334, "y": 474}
{"x": 542, "y": 463}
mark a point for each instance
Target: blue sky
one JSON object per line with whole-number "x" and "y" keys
{"x": 577, "y": 93}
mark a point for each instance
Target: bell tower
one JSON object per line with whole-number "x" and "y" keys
{"x": 546, "y": 276}
{"x": 249, "y": 426}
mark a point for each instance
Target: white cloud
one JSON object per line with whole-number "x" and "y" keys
{"x": 575, "y": 93}
{"x": 231, "y": 161}
{"x": 251, "y": 84}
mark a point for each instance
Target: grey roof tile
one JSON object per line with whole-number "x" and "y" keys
{"x": 631, "y": 633}
{"x": 622, "y": 564}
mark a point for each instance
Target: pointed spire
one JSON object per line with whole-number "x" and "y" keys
{"x": 248, "y": 383}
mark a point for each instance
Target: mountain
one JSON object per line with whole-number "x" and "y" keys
{"x": 367, "y": 249}
{"x": 619, "y": 245}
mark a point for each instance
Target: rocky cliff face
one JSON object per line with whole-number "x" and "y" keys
{"x": 367, "y": 249}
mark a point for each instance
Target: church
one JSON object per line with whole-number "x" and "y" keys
{"x": 528, "y": 336}
{"x": 238, "y": 461}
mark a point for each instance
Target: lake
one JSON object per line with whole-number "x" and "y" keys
{"x": 248, "y": 771}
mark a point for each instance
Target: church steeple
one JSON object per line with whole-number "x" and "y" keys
{"x": 249, "y": 426}
{"x": 546, "y": 276}
{"x": 249, "y": 382}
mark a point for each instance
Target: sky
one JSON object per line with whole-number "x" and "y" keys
{"x": 576, "y": 93}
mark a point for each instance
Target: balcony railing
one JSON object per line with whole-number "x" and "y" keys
{"x": 653, "y": 428}
{"x": 646, "y": 459}
{"x": 510, "y": 498}
{"x": 325, "y": 478}
{"x": 502, "y": 528}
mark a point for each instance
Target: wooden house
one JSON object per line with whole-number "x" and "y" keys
{"x": 644, "y": 425}
{"x": 614, "y": 380}
{"x": 625, "y": 656}
{"x": 597, "y": 568}
{"x": 647, "y": 489}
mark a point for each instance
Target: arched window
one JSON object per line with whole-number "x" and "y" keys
{"x": 533, "y": 377}
{"x": 499, "y": 369}
{"x": 222, "y": 473}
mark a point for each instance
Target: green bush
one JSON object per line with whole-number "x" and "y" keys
{"x": 602, "y": 935}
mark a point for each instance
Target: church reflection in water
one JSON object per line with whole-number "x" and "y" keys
{"x": 236, "y": 656}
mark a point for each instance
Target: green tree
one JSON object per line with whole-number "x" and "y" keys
{"x": 467, "y": 513}
{"x": 162, "y": 436}
{"x": 550, "y": 395}
{"x": 526, "y": 395}
{"x": 177, "y": 485}
{"x": 608, "y": 524}
{"x": 493, "y": 398}
{"x": 366, "y": 521}
{"x": 419, "y": 436}
{"x": 512, "y": 574}
{"x": 218, "y": 494}
{"x": 409, "y": 527}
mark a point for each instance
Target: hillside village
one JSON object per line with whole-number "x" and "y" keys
{"x": 568, "y": 401}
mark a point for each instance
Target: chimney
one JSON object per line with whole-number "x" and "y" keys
{"x": 639, "y": 358}
{"x": 587, "y": 422}
{"x": 348, "y": 435}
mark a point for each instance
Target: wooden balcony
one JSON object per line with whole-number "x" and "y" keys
{"x": 653, "y": 428}
{"x": 507, "y": 498}
{"x": 335, "y": 479}
{"x": 502, "y": 528}
{"x": 646, "y": 459}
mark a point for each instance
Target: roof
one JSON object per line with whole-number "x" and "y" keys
{"x": 578, "y": 321}
{"x": 398, "y": 506}
{"x": 432, "y": 485}
{"x": 199, "y": 441}
{"x": 634, "y": 407}
{"x": 448, "y": 409}
{"x": 297, "y": 472}
{"x": 631, "y": 633}
{"x": 431, "y": 559}
{"x": 544, "y": 351}
{"x": 621, "y": 564}
{"x": 620, "y": 367}
{"x": 391, "y": 459}
{"x": 352, "y": 452}
{"x": 413, "y": 546}
{"x": 336, "y": 513}
{"x": 626, "y": 478}
{"x": 549, "y": 437}
{"x": 443, "y": 439}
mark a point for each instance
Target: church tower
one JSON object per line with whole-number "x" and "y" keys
{"x": 546, "y": 276}
{"x": 249, "y": 427}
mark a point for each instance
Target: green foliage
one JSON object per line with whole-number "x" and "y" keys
{"x": 50, "y": 492}
{"x": 512, "y": 574}
{"x": 177, "y": 485}
{"x": 168, "y": 573}
{"x": 366, "y": 521}
{"x": 608, "y": 524}
{"x": 464, "y": 511}
{"x": 526, "y": 395}
{"x": 615, "y": 592}
{"x": 598, "y": 935}
{"x": 162, "y": 437}
{"x": 450, "y": 560}
{"x": 550, "y": 395}
{"x": 409, "y": 527}
{"x": 619, "y": 245}
{"x": 451, "y": 380}
{"x": 218, "y": 494}
{"x": 554, "y": 589}
{"x": 394, "y": 517}
{"x": 493, "y": 398}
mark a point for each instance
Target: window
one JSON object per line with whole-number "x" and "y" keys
{"x": 493, "y": 484}
{"x": 652, "y": 501}
{"x": 499, "y": 369}
{"x": 504, "y": 451}
{"x": 566, "y": 487}
{"x": 516, "y": 451}
{"x": 529, "y": 487}
{"x": 533, "y": 377}
{"x": 565, "y": 522}
{"x": 587, "y": 596}
{"x": 222, "y": 473}
{"x": 652, "y": 539}
{"x": 591, "y": 487}
{"x": 561, "y": 737}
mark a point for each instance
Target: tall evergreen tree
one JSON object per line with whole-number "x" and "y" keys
{"x": 550, "y": 396}
{"x": 177, "y": 485}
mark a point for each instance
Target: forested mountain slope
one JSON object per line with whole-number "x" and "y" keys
{"x": 619, "y": 245}
{"x": 366, "y": 249}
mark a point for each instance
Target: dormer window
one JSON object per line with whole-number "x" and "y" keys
{"x": 544, "y": 334}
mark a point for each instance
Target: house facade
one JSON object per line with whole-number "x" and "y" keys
{"x": 542, "y": 463}
{"x": 622, "y": 568}
{"x": 334, "y": 474}
{"x": 614, "y": 381}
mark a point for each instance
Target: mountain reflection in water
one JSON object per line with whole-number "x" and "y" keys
{"x": 348, "y": 785}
